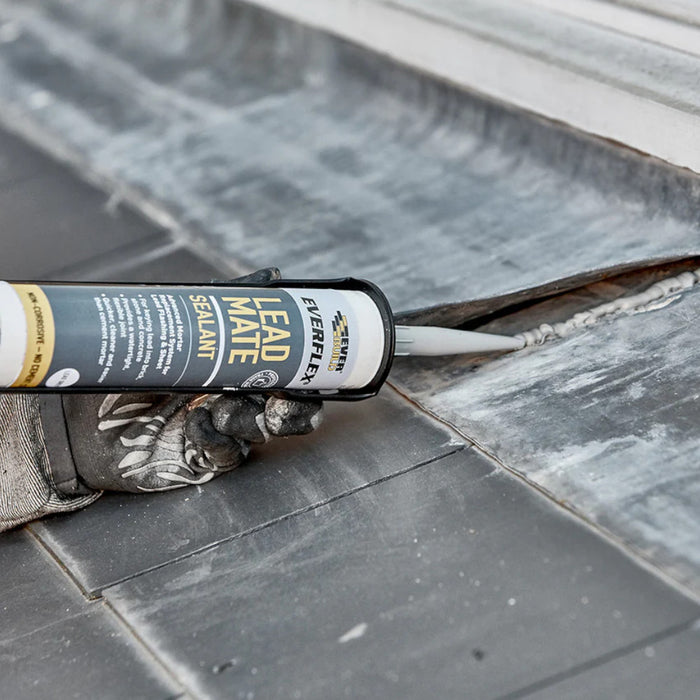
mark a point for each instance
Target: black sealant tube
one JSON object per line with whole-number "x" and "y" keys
{"x": 331, "y": 339}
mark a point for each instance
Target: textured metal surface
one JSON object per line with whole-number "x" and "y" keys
{"x": 271, "y": 143}
{"x": 279, "y": 145}
{"x": 619, "y": 81}
{"x": 511, "y": 590}
{"x": 606, "y": 419}
{"x": 450, "y": 581}
{"x": 53, "y": 643}
{"x": 33, "y": 595}
{"x": 47, "y": 217}
{"x": 659, "y": 668}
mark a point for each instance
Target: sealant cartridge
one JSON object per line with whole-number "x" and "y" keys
{"x": 321, "y": 338}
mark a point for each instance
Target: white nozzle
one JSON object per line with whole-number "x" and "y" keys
{"x": 431, "y": 340}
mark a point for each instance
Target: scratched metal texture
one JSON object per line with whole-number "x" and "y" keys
{"x": 266, "y": 142}
{"x": 273, "y": 143}
{"x": 606, "y": 420}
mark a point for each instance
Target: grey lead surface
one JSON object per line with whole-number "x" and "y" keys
{"x": 425, "y": 585}
{"x": 662, "y": 668}
{"x": 358, "y": 445}
{"x": 28, "y": 576}
{"x": 47, "y": 217}
{"x": 309, "y": 556}
{"x": 274, "y": 142}
{"x": 53, "y": 643}
{"x": 605, "y": 419}
{"x": 298, "y": 584}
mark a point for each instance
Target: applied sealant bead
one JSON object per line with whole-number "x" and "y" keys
{"x": 643, "y": 301}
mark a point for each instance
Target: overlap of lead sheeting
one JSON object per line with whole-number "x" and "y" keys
{"x": 607, "y": 420}
{"x": 276, "y": 144}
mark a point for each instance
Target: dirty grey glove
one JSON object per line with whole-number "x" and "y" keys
{"x": 58, "y": 453}
{"x": 32, "y": 476}
{"x": 58, "y": 456}
{"x": 148, "y": 442}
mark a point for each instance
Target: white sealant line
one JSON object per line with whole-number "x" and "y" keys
{"x": 655, "y": 297}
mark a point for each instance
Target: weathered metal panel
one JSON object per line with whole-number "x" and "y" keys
{"x": 277, "y": 144}
{"x": 606, "y": 420}
{"x": 271, "y": 143}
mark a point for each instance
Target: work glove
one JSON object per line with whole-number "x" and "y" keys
{"x": 58, "y": 453}
{"x": 151, "y": 442}
{"x": 30, "y": 480}
{"x": 147, "y": 442}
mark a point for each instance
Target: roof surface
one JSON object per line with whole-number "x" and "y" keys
{"x": 535, "y": 540}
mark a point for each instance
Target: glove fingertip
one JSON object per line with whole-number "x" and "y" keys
{"x": 240, "y": 417}
{"x": 262, "y": 276}
{"x": 222, "y": 451}
{"x": 284, "y": 417}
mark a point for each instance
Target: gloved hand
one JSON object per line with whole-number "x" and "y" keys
{"x": 58, "y": 453}
{"x": 149, "y": 442}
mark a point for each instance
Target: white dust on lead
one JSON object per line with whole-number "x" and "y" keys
{"x": 655, "y": 297}
{"x": 40, "y": 99}
{"x": 9, "y": 32}
{"x": 355, "y": 633}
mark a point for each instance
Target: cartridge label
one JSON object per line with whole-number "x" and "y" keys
{"x": 203, "y": 338}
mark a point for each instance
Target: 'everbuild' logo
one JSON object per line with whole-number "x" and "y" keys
{"x": 341, "y": 340}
